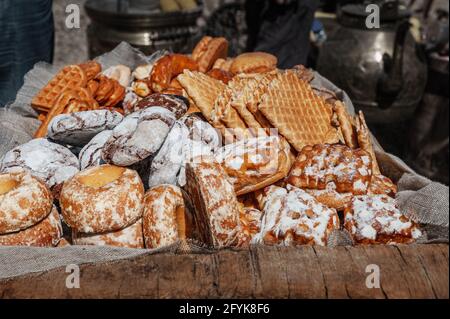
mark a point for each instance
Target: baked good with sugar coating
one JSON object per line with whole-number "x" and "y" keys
{"x": 45, "y": 233}
{"x": 178, "y": 105}
{"x": 128, "y": 237}
{"x": 102, "y": 199}
{"x": 376, "y": 219}
{"x": 316, "y": 166}
{"x": 213, "y": 196}
{"x": 293, "y": 217}
{"x": 79, "y": 128}
{"x": 208, "y": 51}
{"x": 382, "y": 185}
{"x": 250, "y": 225}
{"x": 50, "y": 162}
{"x": 24, "y": 201}
{"x": 167, "y": 220}
{"x": 253, "y": 164}
{"x": 139, "y": 136}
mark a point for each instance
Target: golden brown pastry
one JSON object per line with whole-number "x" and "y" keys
{"x": 253, "y": 164}
{"x": 129, "y": 237}
{"x": 317, "y": 166}
{"x": 213, "y": 196}
{"x": 102, "y": 199}
{"x": 254, "y": 62}
{"x": 24, "y": 201}
{"x": 167, "y": 219}
{"x": 46, "y": 233}
{"x": 208, "y": 51}
{"x": 375, "y": 219}
{"x": 292, "y": 217}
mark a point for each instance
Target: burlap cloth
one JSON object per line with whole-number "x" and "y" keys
{"x": 423, "y": 200}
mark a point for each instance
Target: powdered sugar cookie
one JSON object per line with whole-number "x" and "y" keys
{"x": 102, "y": 199}
{"x": 24, "y": 201}
{"x": 52, "y": 163}
{"x": 79, "y": 128}
{"x": 91, "y": 154}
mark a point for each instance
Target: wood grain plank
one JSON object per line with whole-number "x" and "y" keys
{"x": 435, "y": 265}
{"x": 393, "y": 281}
{"x": 259, "y": 272}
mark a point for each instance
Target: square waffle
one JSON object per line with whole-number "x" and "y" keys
{"x": 301, "y": 116}
{"x": 202, "y": 89}
{"x": 71, "y": 76}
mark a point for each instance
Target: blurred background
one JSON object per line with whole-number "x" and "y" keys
{"x": 396, "y": 73}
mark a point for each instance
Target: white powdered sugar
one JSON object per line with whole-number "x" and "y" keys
{"x": 139, "y": 136}
{"x": 161, "y": 227}
{"x": 129, "y": 237}
{"x": 53, "y": 163}
{"x": 375, "y": 215}
{"x": 79, "y": 128}
{"x": 26, "y": 204}
{"x": 292, "y": 216}
{"x": 91, "y": 154}
{"x": 96, "y": 210}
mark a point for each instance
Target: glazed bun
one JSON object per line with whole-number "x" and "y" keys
{"x": 24, "y": 201}
{"x": 102, "y": 199}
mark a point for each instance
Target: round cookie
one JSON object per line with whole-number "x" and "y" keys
{"x": 46, "y": 233}
{"x": 174, "y": 103}
{"x": 79, "y": 128}
{"x": 139, "y": 136}
{"x": 129, "y": 237}
{"x": 24, "y": 201}
{"x": 102, "y": 199}
{"x": 52, "y": 163}
{"x": 91, "y": 154}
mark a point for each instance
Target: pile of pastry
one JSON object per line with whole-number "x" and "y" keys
{"x": 221, "y": 151}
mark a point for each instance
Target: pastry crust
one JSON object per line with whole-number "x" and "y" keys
{"x": 253, "y": 164}
{"x": 24, "y": 201}
{"x": 50, "y": 162}
{"x": 46, "y": 233}
{"x": 250, "y": 225}
{"x": 317, "y": 166}
{"x": 365, "y": 141}
{"x": 293, "y": 217}
{"x": 95, "y": 209}
{"x": 254, "y": 62}
{"x": 129, "y": 237}
{"x": 208, "y": 51}
{"x": 167, "y": 220}
{"x": 213, "y": 196}
{"x": 80, "y": 127}
{"x": 345, "y": 122}
{"x": 330, "y": 197}
{"x": 375, "y": 219}
{"x": 382, "y": 185}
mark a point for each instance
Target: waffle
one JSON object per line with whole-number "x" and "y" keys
{"x": 238, "y": 84}
{"x": 202, "y": 89}
{"x": 69, "y": 101}
{"x": 91, "y": 69}
{"x": 302, "y": 117}
{"x": 346, "y": 125}
{"x": 71, "y": 76}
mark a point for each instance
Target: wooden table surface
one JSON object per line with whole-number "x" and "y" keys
{"x": 416, "y": 271}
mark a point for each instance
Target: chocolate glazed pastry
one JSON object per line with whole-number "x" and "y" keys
{"x": 52, "y": 163}
{"x": 79, "y": 128}
{"x": 138, "y": 137}
{"x": 174, "y": 103}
